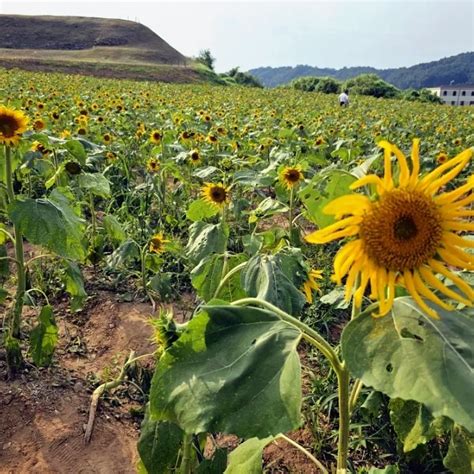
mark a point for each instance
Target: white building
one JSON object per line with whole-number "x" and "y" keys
{"x": 455, "y": 95}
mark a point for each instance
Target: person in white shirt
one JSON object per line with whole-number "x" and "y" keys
{"x": 344, "y": 98}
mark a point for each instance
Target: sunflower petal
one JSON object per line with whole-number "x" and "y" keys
{"x": 415, "y": 161}
{"x": 355, "y": 204}
{"x": 410, "y": 284}
{"x": 404, "y": 171}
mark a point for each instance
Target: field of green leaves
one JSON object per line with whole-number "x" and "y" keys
{"x": 328, "y": 251}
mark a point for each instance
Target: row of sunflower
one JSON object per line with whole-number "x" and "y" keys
{"x": 220, "y": 190}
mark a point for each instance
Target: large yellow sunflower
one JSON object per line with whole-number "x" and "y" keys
{"x": 216, "y": 194}
{"x": 12, "y": 124}
{"x": 407, "y": 234}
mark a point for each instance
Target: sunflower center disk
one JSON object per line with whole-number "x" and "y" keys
{"x": 218, "y": 194}
{"x": 293, "y": 176}
{"x": 8, "y": 125}
{"x": 402, "y": 231}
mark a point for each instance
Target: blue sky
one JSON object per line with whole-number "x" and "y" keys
{"x": 379, "y": 33}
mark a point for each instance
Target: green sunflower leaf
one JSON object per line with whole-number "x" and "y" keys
{"x": 247, "y": 457}
{"x": 52, "y": 224}
{"x": 43, "y": 337}
{"x": 324, "y": 188}
{"x": 411, "y": 356}
{"x": 229, "y": 364}
{"x": 205, "y": 239}
{"x": 200, "y": 209}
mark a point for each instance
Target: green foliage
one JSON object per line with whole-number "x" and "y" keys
{"x": 371, "y": 84}
{"x": 231, "y": 363}
{"x": 114, "y": 230}
{"x": 75, "y": 285}
{"x": 234, "y": 76}
{"x": 408, "y": 355}
{"x": 95, "y": 183}
{"x": 200, "y": 209}
{"x": 205, "y": 57}
{"x": 159, "y": 445}
{"x": 247, "y": 457}
{"x": 276, "y": 279}
{"x": 52, "y": 224}
{"x": 321, "y": 190}
{"x": 412, "y": 423}
{"x": 44, "y": 337}
{"x": 422, "y": 95}
{"x": 206, "y": 277}
{"x": 326, "y": 85}
{"x": 305, "y": 84}
{"x": 460, "y": 456}
{"x": 205, "y": 239}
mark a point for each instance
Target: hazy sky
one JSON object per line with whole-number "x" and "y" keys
{"x": 379, "y": 33}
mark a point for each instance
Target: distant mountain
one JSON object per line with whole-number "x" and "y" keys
{"x": 459, "y": 68}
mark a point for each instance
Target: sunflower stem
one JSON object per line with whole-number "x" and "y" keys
{"x": 226, "y": 277}
{"x": 19, "y": 254}
{"x": 185, "y": 467}
{"x": 344, "y": 419}
{"x": 290, "y": 216}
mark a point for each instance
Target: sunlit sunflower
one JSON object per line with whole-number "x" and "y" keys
{"x": 157, "y": 243}
{"x": 441, "y": 158}
{"x": 12, "y": 124}
{"x": 216, "y": 194}
{"x": 107, "y": 137}
{"x": 407, "y": 234}
{"x": 40, "y": 148}
{"x": 156, "y": 136}
{"x": 291, "y": 176}
{"x": 311, "y": 284}
{"x": 211, "y": 139}
{"x": 65, "y": 134}
{"x": 153, "y": 165}
{"x": 195, "y": 157}
{"x": 319, "y": 141}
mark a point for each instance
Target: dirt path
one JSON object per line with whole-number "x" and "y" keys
{"x": 43, "y": 412}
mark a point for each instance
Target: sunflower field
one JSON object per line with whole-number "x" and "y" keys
{"x": 327, "y": 252}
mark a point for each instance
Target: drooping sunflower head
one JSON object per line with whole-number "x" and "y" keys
{"x": 216, "y": 194}
{"x": 291, "y": 176}
{"x": 156, "y": 136}
{"x": 12, "y": 124}
{"x": 407, "y": 234}
{"x": 153, "y": 165}
{"x": 158, "y": 243}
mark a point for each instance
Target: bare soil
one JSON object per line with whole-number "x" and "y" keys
{"x": 43, "y": 411}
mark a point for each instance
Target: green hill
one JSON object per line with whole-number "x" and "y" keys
{"x": 459, "y": 68}
{"x": 96, "y": 46}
